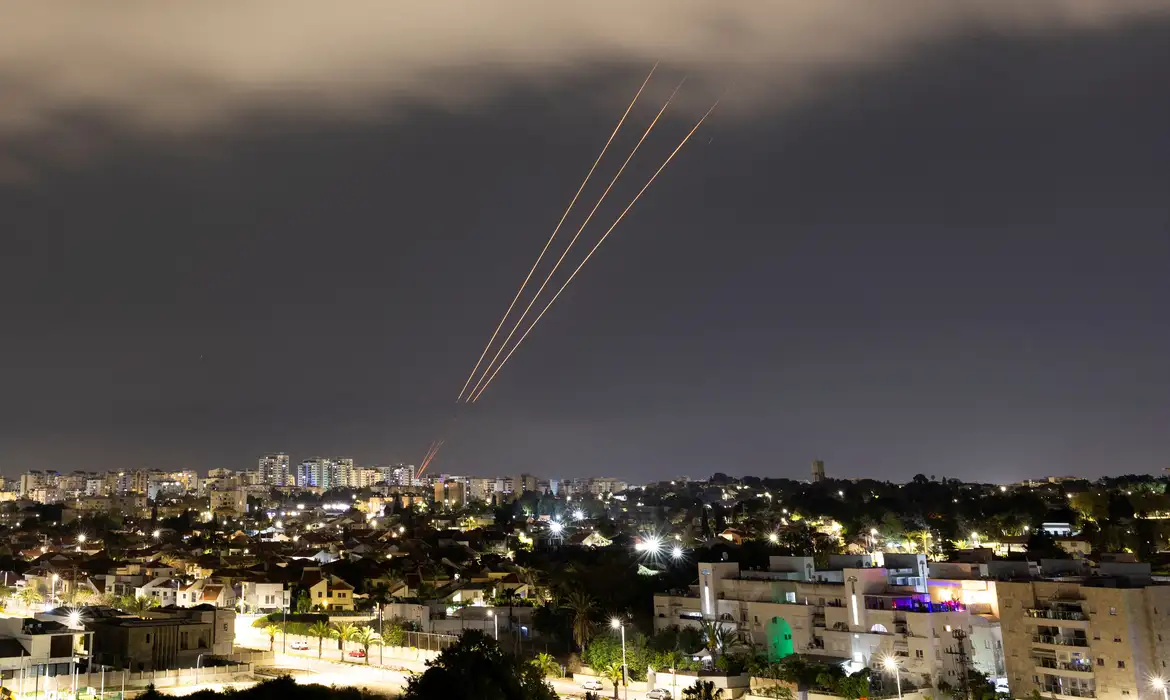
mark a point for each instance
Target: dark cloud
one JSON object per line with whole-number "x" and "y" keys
{"x": 951, "y": 263}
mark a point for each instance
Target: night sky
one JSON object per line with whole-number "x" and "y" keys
{"x": 949, "y": 258}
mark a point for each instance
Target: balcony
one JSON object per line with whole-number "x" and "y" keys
{"x": 1075, "y": 670}
{"x": 1060, "y": 640}
{"x": 1069, "y": 691}
{"x": 1050, "y": 614}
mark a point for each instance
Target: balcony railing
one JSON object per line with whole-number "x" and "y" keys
{"x": 1049, "y": 614}
{"x": 1085, "y": 667}
{"x": 1070, "y": 691}
{"x": 1062, "y": 641}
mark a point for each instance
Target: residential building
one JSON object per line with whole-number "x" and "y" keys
{"x": 1093, "y": 633}
{"x": 860, "y": 609}
{"x": 171, "y": 638}
{"x": 273, "y": 470}
{"x": 207, "y": 591}
{"x": 31, "y": 649}
{"x": 164, "y": 590}
{"x": 263, "y": 596}
{"x": 451, "y": 493}
{"x": 228, "y": 498}
{"x": 325, "y": 591}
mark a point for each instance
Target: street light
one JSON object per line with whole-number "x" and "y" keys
{"x": 1159, "y": 683}
{"x": 53, "y": 590}
{"x": 676, "y": 553}
{"x": 891, "y": 665}
{"x": 617, "y": 625}
{"x": 773, "y": 537}
{"x": 495, "y": 624}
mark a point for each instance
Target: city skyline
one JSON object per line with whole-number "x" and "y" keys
{"x": 942, "y": 252}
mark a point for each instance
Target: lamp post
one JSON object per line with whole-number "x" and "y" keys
{"x": 891, "y": 665}
{"x": 617, "y": 625}
{"x": 53, "y": 591}
{"x": 495, "y": 624}
{"x": 1159, "y": 683}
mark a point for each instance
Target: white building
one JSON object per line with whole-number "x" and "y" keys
{"x": 862, "y": 609}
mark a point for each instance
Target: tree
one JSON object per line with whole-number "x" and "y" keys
{"x": 703, "y": 690}
{"x": 343, "y": 632}
{"x": 720, "y": 639}
{"x": 304, "y": 603}
{"x": 613, "y": 672}
{"x": 582, "y": 608}
{"x": 320, "y": 629}
{"x": 30, "y": 596}
{"x": 366, "y": 636}
{"x": 271, "y": 631}
{"x": 547, "y": 665}
{"x": 476, "y": 668}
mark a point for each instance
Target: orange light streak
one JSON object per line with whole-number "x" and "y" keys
{"x": 475, "y": 395}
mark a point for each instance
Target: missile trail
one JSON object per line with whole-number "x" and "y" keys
{"x": 564, "y": 216}
{"x": 543, "y": 285}
{"x": 475, "y": 396}
{"x": 430, "y": 456}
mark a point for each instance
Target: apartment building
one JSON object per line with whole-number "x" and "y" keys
{"x": 1100, "y": 632}
{"x": 860, "y": 609}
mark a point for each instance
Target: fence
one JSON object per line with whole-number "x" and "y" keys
{"x": 428, "y": 641}
{"x": 111, "y": 684}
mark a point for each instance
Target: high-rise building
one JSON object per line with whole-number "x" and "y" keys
{"x": 274, "y": 470}
{"x": 818, "y": 471}
{"x": 1100, "y": 634}
{"x": 450, "y": 493}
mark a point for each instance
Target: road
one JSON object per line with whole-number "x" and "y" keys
{"x": 336, "y": 667}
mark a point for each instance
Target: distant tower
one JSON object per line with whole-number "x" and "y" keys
{"x": 818, "y": 471}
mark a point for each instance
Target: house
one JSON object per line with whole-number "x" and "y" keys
{"x": 39, "y": 647}
{"x": 168, "y": 638}
{"x": 325, "y": 591}
{"x": 207, "y": 592}
{"x": 260, "y": 594}
{"x": 164, "y": 590}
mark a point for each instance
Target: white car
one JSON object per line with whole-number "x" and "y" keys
{"x": 658, "y": 694}
{"x": 593, "y": 684}
{"x": 299, "y": 646}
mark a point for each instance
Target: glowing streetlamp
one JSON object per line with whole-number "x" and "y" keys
{"x": 773, "y": 537}
{"x": 53, "y": 590}
{"x": 578, "y": 514}
{"x": 676, "y": 553}
{"x": 495, "y": 623}
{"x": 156, "y": 534}
{"x": 555, "y": 527}
{"x": 81, "y": 538}
{"x": 1159, "y": 683}
{"x": 617, "y": 625}
{"x": 891, "y": 665}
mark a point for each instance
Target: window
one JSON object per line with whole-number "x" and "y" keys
{"x": 1007, "y": 603}
{"x": 320, "y": 594}
{"x": 918, "y": 653}
{"x": 757, "y": 621}
{"x": 1116, "y": 638}
{"x": 1097, "y": 636}
{"x": 1120, "y": 664}
{"x": 148, "y": 637}
{"x": 1100, "y": 661}
{"x": 1112, "y": 611}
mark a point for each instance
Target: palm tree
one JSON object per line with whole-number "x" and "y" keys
{"x": 582, "y": 607}
{"x": 547, "y": 665}
{"x": 703, "y": 690}
{"x": 30, "y": 596}
{"x": 366, "y": 636}
{"x": 6, "y": 592}
{"x": 137, "y": 605}
{"x": 720, "y": 639}
{"x": 320, "y": 630}
{"x": 343, "y": 632}
{"x": 613, "y": 673}
{"x": 271, "y": 631}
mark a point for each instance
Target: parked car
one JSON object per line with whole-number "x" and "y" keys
{"x": 658, "y": 694}
{"x": 592, "y": 684}
{"x": 299, "y": 646}
{"x": 358, "y": 654}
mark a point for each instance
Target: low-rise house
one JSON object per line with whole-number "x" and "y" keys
{"x": 38, "y": 648}
{"x": 166, "y": 638}
{"x": 327, "y": 592}
{"x": 262, "y": 595}
{"x": 207, "y": 592}
{"x": 164, "y": 590}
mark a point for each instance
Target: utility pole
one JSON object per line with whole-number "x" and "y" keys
{"x": 960, "y": 637}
